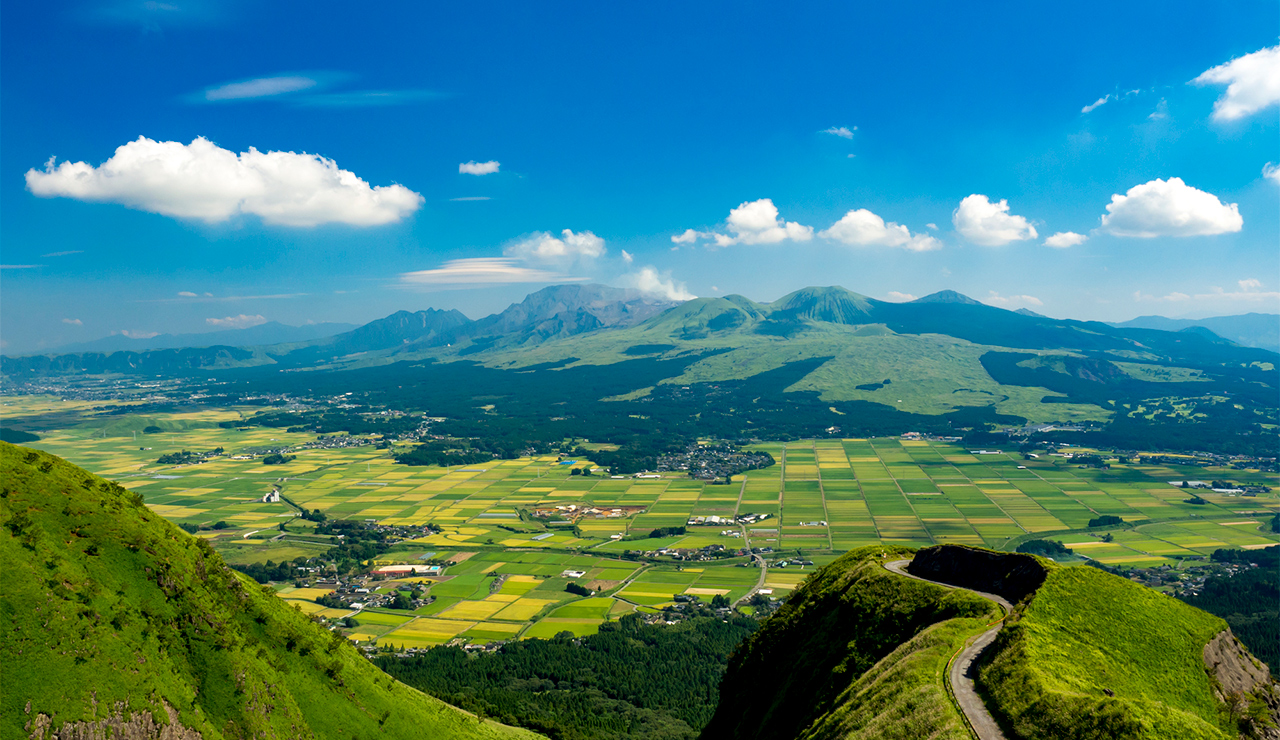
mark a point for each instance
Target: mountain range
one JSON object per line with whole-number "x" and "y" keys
{"x": 944, "y": 360}
{"x": 1250, "y": 329}
{"x": 272, "y": 332}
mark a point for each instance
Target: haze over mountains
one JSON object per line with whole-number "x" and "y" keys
{"x": 272, "y": 332}
{"x": 1250, "y": 329}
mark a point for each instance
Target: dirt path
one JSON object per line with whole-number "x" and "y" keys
{"x": 764, "y": 572}
{"x": 958, "y": 675}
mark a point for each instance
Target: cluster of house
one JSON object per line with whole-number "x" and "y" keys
{"x": 1189, "y": 582}
{"x": 710, "y": 552}
{"x": 574, "y": 512}
{"x": 1224, "y": 487}
{"x": 703, "y": 462}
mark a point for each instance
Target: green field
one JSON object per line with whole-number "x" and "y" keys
{"x": 823, "y": 497}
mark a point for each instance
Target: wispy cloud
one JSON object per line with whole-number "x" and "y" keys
{"x": 73, "y": 322}
{"x": 237, "y": 322}
{"x": 187, "y": 296}
{"x": 307, "y": 89}
{"x": 843, "y": 132}
{"x": 1249, "y": 290}
{"x": 470, "y": 198}
{"x": 481, "y": 271}
{"x": 897, "y": 297}
{"x": 63, "y": 254}
{"x": 1096, "y": 104}
{"x": 261, "y": 87}
{"x": 660, "y": 285}
{"x": 19, "y": 267}
{"x": 1012, "y": 301}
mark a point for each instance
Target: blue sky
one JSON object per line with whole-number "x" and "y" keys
{"x": 892, "y": 148}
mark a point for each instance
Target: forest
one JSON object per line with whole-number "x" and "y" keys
{"x": 630, "y": 680}
{"x": 1248, "y": 600}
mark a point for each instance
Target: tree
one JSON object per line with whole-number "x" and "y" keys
{"x": 401, "y": 601}
{"x": 719, "y": 601}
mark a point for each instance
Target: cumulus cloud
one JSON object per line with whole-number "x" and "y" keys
{"x": 262, "y": 87}
{"x": 1169, "y": 208}
{"x": 1096, "y": 104}
{"x": 660, "y": 285}
{"x": 1012, "y": 301}
{"x": 1269, "y": 171}
{"x": 844, "y": 132}
{"x": 482, "y": 271}
{"x": 1253, "y": 83}
{"x": 236, "y": 322}
{"x": 757, "y": 222}
{"x": 690, "y": 236}
{"x": 186, "y": 294}
{"x": 864, "y": 228}
{"x": 73, "y": 322}
{"x": 897, "y": 297}
{"x": 478, "y": 168}
{"x": 1064, "y": 239}
{"x": 205, "y": 182}
{"x": 568, "y": 247}
{"x": 990, "y": 224}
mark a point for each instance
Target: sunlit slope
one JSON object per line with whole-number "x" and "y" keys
{"x": 856, "y": 652}
{"x": 1086, "y": 633}
{"x": 112, "y": 615}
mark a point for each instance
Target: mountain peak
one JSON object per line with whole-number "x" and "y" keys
{"x": 832, "y": 304}
{"x": 948, "y": 296}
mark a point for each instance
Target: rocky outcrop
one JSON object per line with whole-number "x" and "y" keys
{"x": 1012, "y": 575}
{"x": 1244, "y": 683}
{"x": 119, "y": 725}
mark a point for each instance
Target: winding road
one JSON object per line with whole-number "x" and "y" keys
{"x": 958, "y": 674}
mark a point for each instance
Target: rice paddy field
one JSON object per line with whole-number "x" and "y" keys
{"x": 823, "y": 497}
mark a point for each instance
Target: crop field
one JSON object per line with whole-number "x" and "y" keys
{"x": 507, "y": 575}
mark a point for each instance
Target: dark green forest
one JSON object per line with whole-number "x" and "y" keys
{"x": 1249, "y": 600}
{"x": 631, "y": 680}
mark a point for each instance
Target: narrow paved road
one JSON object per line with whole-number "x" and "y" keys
{"x": 764, "y": 572}
{"x": 959, "y": 675}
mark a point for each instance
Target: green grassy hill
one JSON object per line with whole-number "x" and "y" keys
{"x": 1086, "y": 632}
{"x": 115, "y": 618}
{"x": 856, "y": 652}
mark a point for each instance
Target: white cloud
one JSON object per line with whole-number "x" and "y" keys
{"x": 690, "y": 236}
{"x": 1253, "y": 83}
{"x": 864, "y": 228}
{"x": 1269, "y": 171}
{"x": 186, "y": 294}
{"x": 757, "y": 222}
{"x": 478, "y": 168}
{"x": 1064, "y": 239}
{"x": 469, "y": 198}
{"x": 73, "y": 322}
{"x": 627, "y": 257}
{"x": 205, "y": 182}
{"x": 139, "y": 334}
{"x": 661, "y": 285}
{"x": 1012, "y": 301}
{"x": 19, "y": 267}
{"x": 1161, "y": 112}
{"x": 1169, "y": 208}
{"x": 1249, "y": 290}
{"x": 482, "y": 271}
{"x": 569, "y": 247}
{"x": 844, "y": 132}
{"x": 236, "y": 322}
{"x": 262, "y": 87}
{"x": 932, "y": 226}
{"x": 752, "y": 222}
{"x": 63, "y": 254}
{"x": 990, "y": 224}
{"x": 1095, "y": 104}
{"x": 897, "y": 297}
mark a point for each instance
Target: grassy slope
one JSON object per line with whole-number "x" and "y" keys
{"x": 931, "y": 373}
{"x": 1085, "y": 631}
{"x": 105, "y": 602}
{"x": 855, "y": 652}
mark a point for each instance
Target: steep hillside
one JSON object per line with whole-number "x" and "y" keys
{"x": 1095, "y": 655}
{"x": 116, "y": 620}
{"x": 856, "y": 652}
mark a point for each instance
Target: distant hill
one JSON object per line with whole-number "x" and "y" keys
{"x": 1250, "y": 329}
{"x": 117, "y": 622}
{"x": 858, "y": 652}
{"x": 271, "y": 332}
